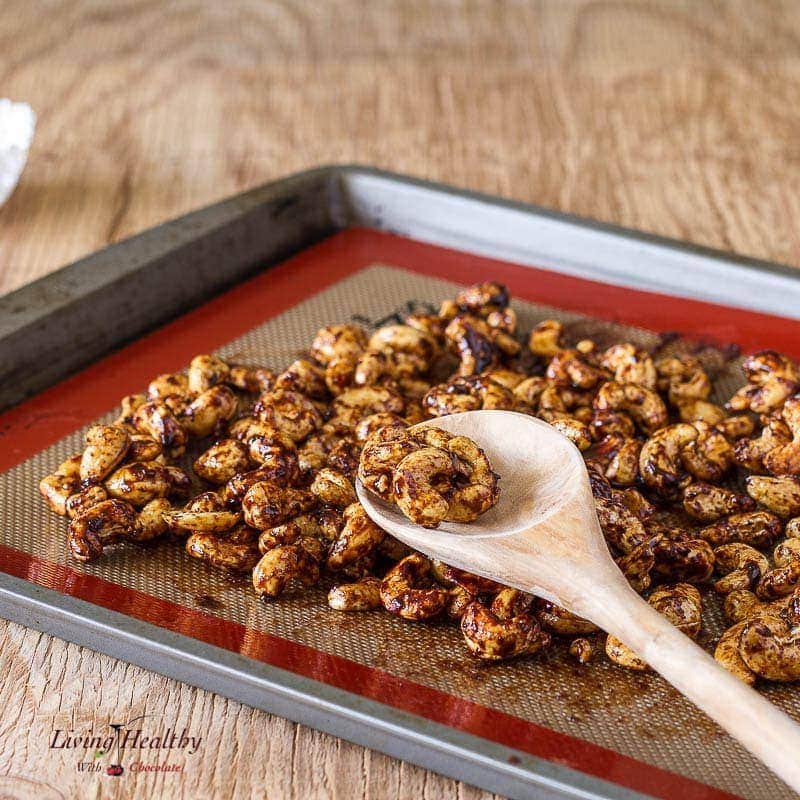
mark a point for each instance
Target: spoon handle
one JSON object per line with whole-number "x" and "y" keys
{"x": 761, "y": 727}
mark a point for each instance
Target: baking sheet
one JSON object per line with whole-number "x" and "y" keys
{"x": 548, "y": 709}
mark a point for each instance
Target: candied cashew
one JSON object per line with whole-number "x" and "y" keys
{"x": 272, "y": 449}
{"x": 750, "y": 452}
{"x": 470, "y": 393}
{"x": 683, "y": 379}
{"x": 358, "y": 538}
{"x": 792, "y": 529}
{"x": 236, "y": 488}
{"x": 708, "y": 457}
{"x": 267, "y": 504}
{"x": 458, "y": 601}
{"x": 335, "y": 341}
{"x": 691, "y": 560}
{"x": 353, "y": 404}
{"x": 363, "y": 595}
{"x": 406, "y": 590}
{"x": 171, "y": 384}
{"x": 252, "y": 380}
{"x": 545, "y": 338}
{"x": 508, "y": 378}
{"x": 783, "y": 579}
{"x": 223, "y": 460}
{"x": 622, "y": 529}
{"x": 57, "y": 488}
{"x": 709, "y": 503}
{"x": 155, "y": 419}
{"x": 472, "y": 584}
{"x": 478, "y": 346}
{"x": 483, "y": 297}
{"x": 337, "y": 348}
{"x": 528, "y": 393}
{"x": 781, "y": 494}
{"x": 151, "y": 521}
{"x": 206, "y": 371}
{"x": 281, "y": 565}
{"x": 771, "y": 649}
{"x": 742, "y": 604}
{"x": 637, "y": 566}
{"x": 741, "y": 565}
{"x": 413, "y": 346}
{"x": 86, "y": 498}
{"x": 558, "y": 620}
{"x": 758, "y": 529}
{"x": 140, "y": 482}
{"x": 492, "y": 635}
{"x": 128, "y": 406}
{"x": 235, "y": 551}
{"x": 290, "y": 412}
{"x": 569, "y": 368}
{"x": 304, "y": 377}
{"x": 207, "y": 513}
{"x": 143, "y": 448}
{"x": 382, "y": 452}
{"x": 324, "y": 524}
{"x": 772, "y": 377}
{"x": 99, "y": 526}
{"x": 106, "y": 446}
{"x": 275, "y": 453}
{"x": 736, "y": 427}
{"x": 727, "y": 654}
{"x": 209, "y": 411}
{"x": 433, "y": 484}
{"x": 697, "y": 410}
{"x": 611, "y": 423}
{"x": 343, "y": 456}
{"x": 575, "y": 430}
{"x": 620, "y": 458}
{"x": 333, "y": 488}
{"x": 644, "y": 406}
{"x": 660, "y": 463}
{"x": 785, "y": 459}
{"x": 376, "y": 367}
{"x": 623, "y": 656}
{"x": 681, "y": 604}
{"x": 630, "y": 365}
{"x": 375, "y": 422}
{"x": 432, "y": 324}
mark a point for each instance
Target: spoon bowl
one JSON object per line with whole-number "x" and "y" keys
{"x": 543, "y": 537}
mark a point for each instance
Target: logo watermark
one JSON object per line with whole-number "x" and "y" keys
{"x": 134, "y": 745}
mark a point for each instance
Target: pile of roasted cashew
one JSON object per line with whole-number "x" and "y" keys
{"x": 253, "y": 472}
{"x": 430, "y": 474}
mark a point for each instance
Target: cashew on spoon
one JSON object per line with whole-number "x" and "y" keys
{"x": 543, "y": 537}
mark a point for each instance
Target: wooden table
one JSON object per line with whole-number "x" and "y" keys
{"x": 676, "y": 117}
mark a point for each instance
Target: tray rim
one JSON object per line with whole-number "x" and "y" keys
{"x": 465, "y": 759}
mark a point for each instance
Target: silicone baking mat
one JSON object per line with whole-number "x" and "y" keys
{"x": 628, "y": 728}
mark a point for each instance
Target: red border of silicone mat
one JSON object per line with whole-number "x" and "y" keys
{"x": 47, "y": 417}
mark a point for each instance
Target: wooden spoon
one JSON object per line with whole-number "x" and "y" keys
{"x": 544, "y": 537}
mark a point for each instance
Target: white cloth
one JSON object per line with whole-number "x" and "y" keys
{"x": 17, "y": 123}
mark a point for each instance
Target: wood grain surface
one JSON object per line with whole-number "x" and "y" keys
{"x": 675, "y": 117}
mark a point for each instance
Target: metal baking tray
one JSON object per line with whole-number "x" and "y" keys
{"x": 292, "y": 248}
